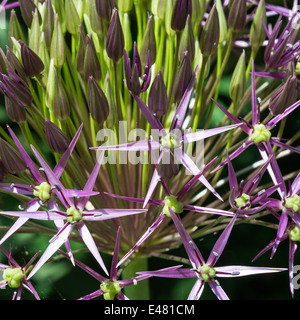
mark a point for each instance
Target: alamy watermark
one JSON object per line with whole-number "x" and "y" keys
{"x": 132, "y": 146}
{"x": 296, "y": 277}
{"x": 3, "y": 15}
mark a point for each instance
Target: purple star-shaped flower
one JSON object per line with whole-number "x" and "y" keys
{"x": 15, "y": 276}
{"x": 205, "y": 271}
{"x": 110, "y": 288}
{"x": 170, "y": 141}
{"x": 75, "y": 214}
{"x": 258, "y": 133}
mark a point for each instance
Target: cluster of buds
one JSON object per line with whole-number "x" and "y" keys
{"x": 116, "y": 139}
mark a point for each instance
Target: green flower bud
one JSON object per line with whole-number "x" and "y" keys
{"x": 27, "y": 8}
{"x": 187, "y": 40}
{"x": 48, "y": 25}
{"x": 14, "y": 277}
{"x": 257, "y": 32}
{"x": 91, "y": 65}
{"x": 210, "y": 34}
{"x": 222, "y": 21}
{"x": 14, "y": 112}
{"x": 15, "y": 29}
{"x": 169, "y": 6}
{"x": 238, "y": 80}
{"x": 237, "y": 15}
{"x": 113, "y": 115}
{"x": 34, "y": 34}
{"x": 125, "y": 5}
{"x": 149, "y": 43}
{"x": 57, "y": 50}
{"x": 72, "y": 17}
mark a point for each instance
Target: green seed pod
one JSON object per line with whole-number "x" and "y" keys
{"x": 238, "y": 81}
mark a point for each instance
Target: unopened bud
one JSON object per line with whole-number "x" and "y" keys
{"x": 181, "y": 10}
{"x": 115, "y": 39}
{"x": 14, "y": 112}
{"x": 149, "y": 43}
{"x": 11, "y": 159}
{"x": 56, "y": 139}
{"x": 284, "y": 97}
{"x": 238, "y": 80}
{"x": 113, "y": 115}
{"x": 97, "y": 101}
{"x": 187, "y": 40}
{"x": 183, "y": 77}
{"x": 15, "y": 29}
{"x": 72, "y": 17}
{"x": 210, "y": 34}
{"x": 237, "y": 15}
{"x": 104, "y": 8}
{"x": 27, "y": 8}
{"x": 57, "y": 50}
{"x": 257, "y": 32}
{"x": 91, "y": 66}
{"x": 48, "y": 25}
{"x": 158, "y": 97}
{"x": 125, "y": 5}
{"x": 32, "y": 63}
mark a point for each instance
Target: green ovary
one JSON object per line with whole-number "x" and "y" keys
{"x": 294, "y": 233}
{"x": 169, "y": 141}
{"x": 110, "y": 289}
{"x": 293, "y": 202}
{"x": 173, "y": 203}
{"x": 207, "y": 272}
{"x": 260, "y": 133}
{"x": 242, "y": 201}
{"x": 13, "y": 276}
{"x": 42, "y": 191}
{"x": 74, "y": 215}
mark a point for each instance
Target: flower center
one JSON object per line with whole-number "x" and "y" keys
{"x": 294, "y": 233}
{"x": 74, "y": 215}
{"x": 173, "y": 203}
{"x": 110, "y": 289}
{"x": 243, "y": 201}
{"x": 293, "y": 202}
{"x": 170, "y": 141}
{"x": 207, "y": 273}
{"x": 260, "y": 133}
{"x": 42, "y": 191}
{"x": 14, "y": 277}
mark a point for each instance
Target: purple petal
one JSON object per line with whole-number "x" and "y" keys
{"x": 220, "y": 244}
{"x": 155, "y": 224}
{"x": 284, "y": 145}
{"x": 187, "y": 162}
{"x": 52, "y": 248}
{"x": 190, "y": 246}
{"x": 90, "y": 243}
{"x": 233, "y": 183}
{"x": 280, "y": 232}
{"x": 59, "y": 168}
{"x": 37, "y": 215}
{"x": 36, "y": 175}
{"x": 184, "y": 102}
{"x": 208, "y": 210}
{"x": 217, "y": 290}
{"x": 141, "y": 145}
{"x": 105, "y": 214}
{"x": 171, "y": 272}
{"x": 17, "y": 188}
{"x": 197, "y": 290}
{"x": 241, "y": 271}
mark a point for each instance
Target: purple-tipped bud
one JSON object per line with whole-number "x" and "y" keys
{"x": 181, "y": 10}
{"x": 14, "y": 112}
{"x": 115, "y": 41}
{"x": 149, "y": 43}
{"x": 15, "y": 65}
{"x": 32, "y": 63}
{"x": 257, "y": 32}
{"x": 27, "y": 8}
{"x": 134, "y": 73}
{"x": 16, "y": 89}
{"x": 104, "y": 9}
{"x": 91, "y": 65}
{"x": 183, "y": 77}
{"x": 237, "y": 14}
{"x": 97, "y": 101}
{"x": 80, "y": 53}
{"x": 11, "y": 159}
{"x": 48, "y": 23}
{"x": 56, "y": 139}
{"x": 209, "y": 37}
{"x": 187, "y": 41}
{"x": 284, "y": 97}
{"x": 158, "y": 97}
{"x": 61, "y": 100}
{"x": 167, "y": 167}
